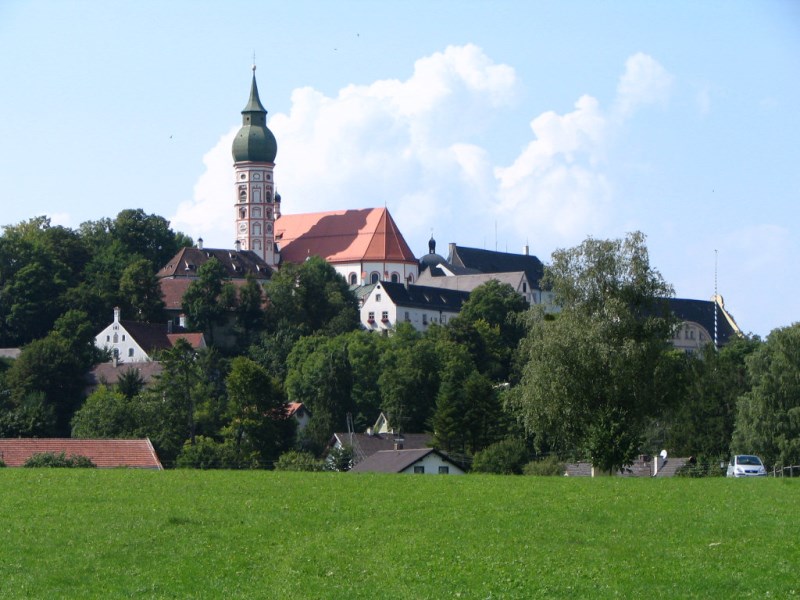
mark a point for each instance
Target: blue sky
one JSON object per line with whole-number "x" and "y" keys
{"x": 489, "y": 124}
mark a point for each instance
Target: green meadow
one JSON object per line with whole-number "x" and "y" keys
{"x": 86, "y": 533}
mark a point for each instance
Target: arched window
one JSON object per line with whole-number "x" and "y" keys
{"x": 256, "y": 229}
{"x": 374, "y": 277}
{"x": 395, "y": 277}
{"x": 256, "y": 244}
{"x": 242, "y": 213}
{"x": 353, "y": 279}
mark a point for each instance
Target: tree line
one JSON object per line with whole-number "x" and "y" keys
{"x": 500, "y": 385}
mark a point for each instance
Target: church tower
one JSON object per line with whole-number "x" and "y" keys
{"x": 257, "y": 203}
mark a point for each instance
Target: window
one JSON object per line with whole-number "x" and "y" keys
{"x": 524, "y": 287}
{"x": 353, "y": 279}
{"x": 108, "y": 337}
{"x": 395, "y": 278}
{"x": 408, "y": 317}
{"x": 444, "y": 470}
{"x": 116, "y": 338}
{"x": 371, "y": 317}
{"x": 385, "y": 316}
{"x": 424, "y": 319}
{"x": 130, "y": 352}
{"x": 444, "y": 319}
{"x": 419, "y": 469}
{"x": 374, "y": 277}
{"x": 377, "y": 297}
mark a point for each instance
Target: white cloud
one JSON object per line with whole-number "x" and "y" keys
{"x": 405, "y": 144}
{"x": 412, "y": 145}
{"x": 644, "y": 82}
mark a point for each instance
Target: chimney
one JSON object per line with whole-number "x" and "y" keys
{"x": 398, "y": 443}
{"x": 451, "y": 248}
{"x": 237, "y": 245}
{"x": 200, "y": 243}
{"x": 116, "y": 314}
{"x": 525, "y": 250}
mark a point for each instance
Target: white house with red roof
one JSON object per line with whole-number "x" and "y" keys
{"x": 363, "y": 245}
{"x": 134, "y": 342}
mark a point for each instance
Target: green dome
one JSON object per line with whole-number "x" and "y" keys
{"x": 254, "y": 141}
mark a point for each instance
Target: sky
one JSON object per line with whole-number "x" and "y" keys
{"x": 489, "y": 124}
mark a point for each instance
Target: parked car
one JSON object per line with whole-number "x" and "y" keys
{"x": 746, "y": 465}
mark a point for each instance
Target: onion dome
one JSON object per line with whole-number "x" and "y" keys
{"x": 254, "y": 142}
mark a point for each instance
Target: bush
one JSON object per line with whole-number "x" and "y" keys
{"x": 299, "y": 461}
{"x": 340, "y": 459}
{"x": 547, "y": 466}
{"x": 53, "y": 460}
{"x": 505, "y": 457}
{"x": 206, "y": 453}
{"x": 2, "y": 464}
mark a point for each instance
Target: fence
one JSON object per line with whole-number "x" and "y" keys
{"x": 791, "y": 471}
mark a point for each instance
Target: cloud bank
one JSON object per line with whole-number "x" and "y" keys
{"x": 418, "y": 147}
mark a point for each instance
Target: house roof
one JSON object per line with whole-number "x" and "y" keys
{"x": 109, "y": 373}
{"x": 172, "y": 290}
{"x": 702, "y": 313}
{"x": 237, "y": 264}
{"x": 137, "y": 454}
{"x": 10, "y": 352}
{"x": 155, "y": 336}
{"x": 343, "y": 236}
{"x": 368, "y": 444}
{"x": 393, "y": 461}
{"x": 467, "y": 283}
{"x": 489, "y": 261}
{"x": 293, "y": 408}
{"x": 421, "y": 296}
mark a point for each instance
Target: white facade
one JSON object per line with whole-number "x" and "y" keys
{"x": 363, "y": 273}
{"x": 433, "y": 464}
{"x": 380, "y": 313}
{"x": 116, "y": 339}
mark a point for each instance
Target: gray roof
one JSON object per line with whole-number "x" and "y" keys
{"x": 467, "y": 283}
{"x": 237, "y": 264}
{"x": 420, "y": 296}
{"x": 392, "y": 461}
{"x": 491, "y": 261}
{"x": 702, "y": 313}
{"x": 370, "y": 443}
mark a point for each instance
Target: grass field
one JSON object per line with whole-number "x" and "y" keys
{"x": 190, "y": 534}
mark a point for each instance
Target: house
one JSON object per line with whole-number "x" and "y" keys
{"x": 419, "y": 461}
{"x": 109, "y": 373}
{"x": 702, "y": 322}
{"x": 10, "y": 353}
{"x": 299, "y": 412}
{"x": 132, "y": 454}
{"x": 467, "y": 268}
{"x": 134, "y": 342}
{"x": 385, "y": 304}
{"x": 363, "y": 246}
{"x": 366, "y": 444}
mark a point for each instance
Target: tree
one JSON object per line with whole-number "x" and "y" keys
{"x": 497, "y": 304}
{"x": 604, "y": 360}
{"x": 319, "y": 374}
{"x": 409, "y": 379}
{"x": 506, "y": 457}
{"x": 147, "y": 236}
{"x": 208, "y": 299}
{"x": 106, "y": 414}
{"x": 768, "y": 416}
{"x": 312, "y": 298}
{"x": 141, "y": 293}
{"x": 258, "y": 426}
{"x": 702, "y": 424}
{"x": 250, "y": 318}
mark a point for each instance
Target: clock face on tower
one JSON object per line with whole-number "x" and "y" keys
{"x": 257, "y": 176}
{"x": 243, "y": 227}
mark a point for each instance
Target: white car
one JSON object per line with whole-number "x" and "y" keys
{"x": 746, "y": 465}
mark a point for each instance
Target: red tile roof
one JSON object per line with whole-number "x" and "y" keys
{"x": 136, "y": 454}
{"x": 368, "y": 234}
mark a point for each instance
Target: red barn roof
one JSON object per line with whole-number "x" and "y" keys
{"x": 135, "y": 454}
{"x": 368, "y": 234}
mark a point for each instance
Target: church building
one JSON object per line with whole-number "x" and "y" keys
{"x": 363, "y": 245}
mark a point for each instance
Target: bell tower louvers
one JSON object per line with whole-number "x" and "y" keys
{"x": 257, "y": 204}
